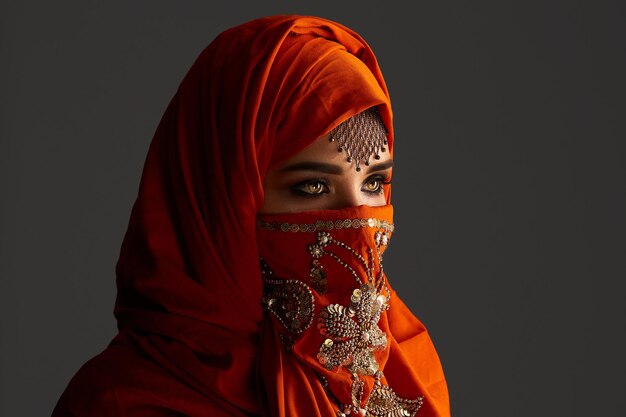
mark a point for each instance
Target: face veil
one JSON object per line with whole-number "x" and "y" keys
{"x": 194, "y": 336}
{"x": 327, "y": 293}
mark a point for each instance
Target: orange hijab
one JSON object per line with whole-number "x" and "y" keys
{"x": 189, "y": 282}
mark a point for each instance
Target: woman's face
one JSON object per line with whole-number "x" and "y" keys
{"x": 320, "y": 178}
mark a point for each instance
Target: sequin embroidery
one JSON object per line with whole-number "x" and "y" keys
{"x": 327, "y": 225}
{"x": 352, "y": 333}
{"x": 382, "y": 401}
{"x": 290, "y": 301}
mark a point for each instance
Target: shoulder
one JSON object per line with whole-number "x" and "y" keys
{"x": 123, "y": 382}
{"x": 92, "y": 391}
{"x": 113, "y": 383}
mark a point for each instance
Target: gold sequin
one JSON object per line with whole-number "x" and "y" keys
{"x": 290, "y": 301}
{"x": 382, "y": 401}
{"x": 354, "y": 332}
{"x": 326, "y": 226}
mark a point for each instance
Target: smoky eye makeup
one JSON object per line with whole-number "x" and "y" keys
{"x": 375, "y": 184}
{"x": 310, "y": 188}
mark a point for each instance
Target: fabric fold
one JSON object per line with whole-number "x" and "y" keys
{"x": 193, "y": 332}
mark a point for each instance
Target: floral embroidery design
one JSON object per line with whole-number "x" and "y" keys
{"x": 320, "y": 248}
{"x": 290, "y": 301}
{"x": 382, "y": 402}
{"x": 352, "y": 332}
{"x": 317, "y": 274}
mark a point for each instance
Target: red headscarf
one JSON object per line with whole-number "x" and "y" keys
{"x": 189, "y": 290}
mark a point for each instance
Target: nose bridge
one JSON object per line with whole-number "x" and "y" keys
{"x": 349, "y": 196}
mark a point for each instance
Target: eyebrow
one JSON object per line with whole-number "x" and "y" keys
{"x": 380, "y": 166}
{"x": 331, "y": 168}
{"x": 314, "y": 166}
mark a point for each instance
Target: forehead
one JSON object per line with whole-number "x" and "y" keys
{"x": 360, "y": 140}
{"x": 323, "y": 150}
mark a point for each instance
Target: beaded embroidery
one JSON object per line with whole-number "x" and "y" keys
{"x": 382, "y": 402}
{"x": 290, "y": 301}
{"x": 326, "y": 225}
{"x": 352, "y": 332}
{"x": 319, "y": 249}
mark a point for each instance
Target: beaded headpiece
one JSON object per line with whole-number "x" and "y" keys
{"x": 361, "y": 137}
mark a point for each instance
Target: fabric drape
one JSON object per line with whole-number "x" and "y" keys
{"x": 189, "y": 310}
{"x": 337, "y": 323}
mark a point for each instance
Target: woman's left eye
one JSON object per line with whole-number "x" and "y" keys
{"x": 374, "y": 185}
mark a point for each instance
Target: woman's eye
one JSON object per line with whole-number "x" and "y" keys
{"x": 373, "y": 185}
{"x": 311, "y": 188}
{"x": 314, "y": 187}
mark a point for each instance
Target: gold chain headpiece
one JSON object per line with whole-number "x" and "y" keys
{"x": 362, "y": 137}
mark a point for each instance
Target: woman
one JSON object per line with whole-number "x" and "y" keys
{"x": 250, "y": 279}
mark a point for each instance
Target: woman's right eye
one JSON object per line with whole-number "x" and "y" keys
{"x": 310, "y": 188}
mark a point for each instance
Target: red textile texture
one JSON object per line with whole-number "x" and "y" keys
{"x": 189, "y": 305}
{"x": 317, "y": 261}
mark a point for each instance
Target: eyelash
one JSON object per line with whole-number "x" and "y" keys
{"x": 381, "y": 182}
{"x": 298, "y": 188}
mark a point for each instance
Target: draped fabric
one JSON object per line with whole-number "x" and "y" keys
{"x": 189, "y": 310}
{"x": 336, "y": 322}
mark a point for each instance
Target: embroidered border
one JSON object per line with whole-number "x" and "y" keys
{"x": 326, "y": 225}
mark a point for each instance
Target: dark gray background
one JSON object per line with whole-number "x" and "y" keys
{"x": 509, "y": 186}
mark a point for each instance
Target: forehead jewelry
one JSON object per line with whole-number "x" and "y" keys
{"x": 361, "y": 137}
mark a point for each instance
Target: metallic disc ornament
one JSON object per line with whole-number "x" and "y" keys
{"x": 361, "y": 137}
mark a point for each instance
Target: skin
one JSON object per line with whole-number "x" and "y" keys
{"x": 320, "y": 178}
